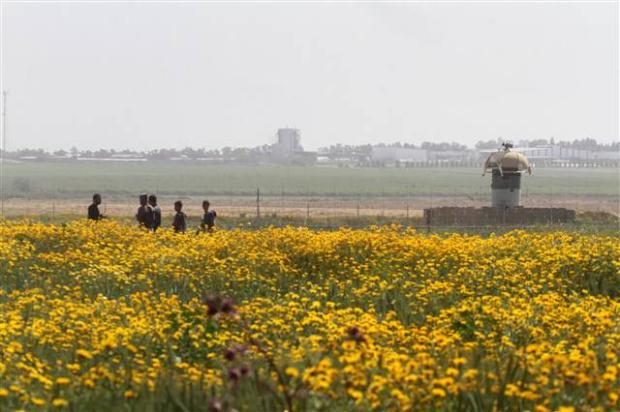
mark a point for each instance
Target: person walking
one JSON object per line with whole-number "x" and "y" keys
{"x": 179, "y": 223}
{"x": 93, "y": 209}
{"x": 208, "y": 219}
{"x": 144, "y": 216}
{"x": 156, "y": 213}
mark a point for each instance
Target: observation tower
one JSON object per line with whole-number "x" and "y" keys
{"x": 506, "y": 166}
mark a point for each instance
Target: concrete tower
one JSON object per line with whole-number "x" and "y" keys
{"x": 506, "y": 167}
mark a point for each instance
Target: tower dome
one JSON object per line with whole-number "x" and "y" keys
{"x": 506, "y": 166}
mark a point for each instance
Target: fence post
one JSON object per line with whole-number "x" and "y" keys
{"x": 431, "y": 198}
{"x": 383, "y": 203}
{"x": 552, "y": 204}
{"x": 257, "y": 203}
{"x": 429, "y": 217}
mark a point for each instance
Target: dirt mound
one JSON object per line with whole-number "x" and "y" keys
{"x": 599, "y": 217}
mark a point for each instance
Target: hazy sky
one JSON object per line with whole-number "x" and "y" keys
{"x": 142, "y": 76}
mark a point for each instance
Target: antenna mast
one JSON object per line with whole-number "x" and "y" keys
{"x": 2, "y": 150}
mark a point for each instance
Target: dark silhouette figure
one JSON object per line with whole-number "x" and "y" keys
{"x": 144, "y": 216}
{"x": 156, "y": 212}
{"x": 179, "y": 223}
{"x": 93, "y": 209}
{"x": 208, "y": 219}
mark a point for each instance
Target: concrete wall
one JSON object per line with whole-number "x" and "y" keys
{"x": 492, "y": 216}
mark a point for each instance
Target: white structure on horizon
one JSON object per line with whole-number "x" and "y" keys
{"x": 289, "y": 142}
{"x": 557, "y": 155}
{"x": 398, "y": 154}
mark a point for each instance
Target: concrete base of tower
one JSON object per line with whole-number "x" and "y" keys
{"x": 505, "y": 198}
{"x": 506, "y": 189}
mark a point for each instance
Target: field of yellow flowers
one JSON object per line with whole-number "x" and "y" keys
{"x": 107, "y": 317}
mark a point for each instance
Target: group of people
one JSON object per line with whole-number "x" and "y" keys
{"x": 149, "y": 214}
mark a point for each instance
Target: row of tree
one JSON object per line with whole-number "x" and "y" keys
{"x": 156, "y": 154}
{"x": 263, "y": 153}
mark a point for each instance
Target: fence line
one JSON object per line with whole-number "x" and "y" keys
{"x": 311, "y": 207}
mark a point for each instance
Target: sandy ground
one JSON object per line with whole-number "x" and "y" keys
{"x": 302, "y": 207}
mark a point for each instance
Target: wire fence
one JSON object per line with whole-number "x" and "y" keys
{"x": 320, "y": 211}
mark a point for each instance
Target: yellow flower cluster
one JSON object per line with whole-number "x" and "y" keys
{"x": 103, "y": 316}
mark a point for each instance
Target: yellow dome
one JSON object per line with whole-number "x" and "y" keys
{"x": 507, "y": 160}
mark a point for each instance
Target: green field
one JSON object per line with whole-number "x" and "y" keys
{"x": 68, "y": 180}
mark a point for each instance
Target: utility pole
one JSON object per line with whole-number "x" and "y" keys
{"x": 2, "y": 150}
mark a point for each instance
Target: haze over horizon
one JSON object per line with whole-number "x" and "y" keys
{"x": 144, "y": 76}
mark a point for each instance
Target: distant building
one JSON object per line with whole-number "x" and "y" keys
{"x": 568, "y": 154}
{"x": 451, "y": 155}
{"x": 551, "y": 155}
{"x": 398, "y": 154}
{"x": 288, "y": 148}
{"x": 289, "y": 142}
{"x": 128, "y": 156}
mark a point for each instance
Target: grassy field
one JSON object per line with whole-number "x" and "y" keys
{"x": 76, "y": 180}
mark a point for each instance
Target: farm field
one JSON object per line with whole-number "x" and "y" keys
{"x": 34, "y": 189}
{"x": 119, "y": 180}
{"x": 104, "y": 316}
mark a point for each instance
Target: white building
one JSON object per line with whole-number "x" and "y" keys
{"x": 398, "y": 154}
{"x": 559, "y": 153}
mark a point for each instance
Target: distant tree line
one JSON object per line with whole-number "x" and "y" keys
{"x": 263, "y": 153}
{"x": 228, "y": 153}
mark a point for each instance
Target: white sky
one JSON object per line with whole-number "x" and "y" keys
{"x": 140, "y": 76}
